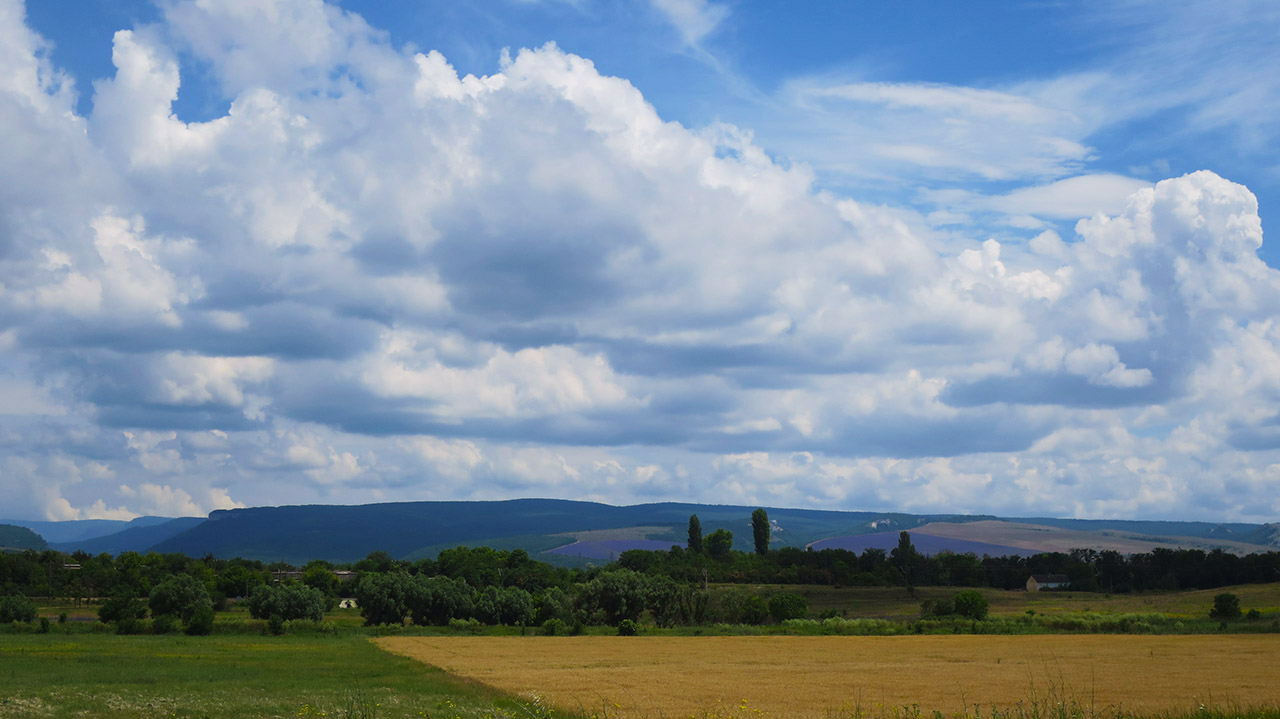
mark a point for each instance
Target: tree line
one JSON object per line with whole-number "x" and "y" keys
{"x": 702, "y": 559}
{"x": 483, "y": 585}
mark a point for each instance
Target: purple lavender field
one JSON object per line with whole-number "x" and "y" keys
{"x": 924, "y": 543}
{"x": 610, "y": 548}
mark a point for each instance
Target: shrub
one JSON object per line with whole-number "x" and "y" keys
{"x": 181, "y": 595}
{"x": 1225, "y": 606}
{"x": 553, "y": 604}
{"x": 554, "y": 627}
{"x": 785, "y": 605}
{"x": 937, "y": 608}
{"x": 288, "y": 601}
{"x": 275, "y": 625}
{"x": 201, "y": 621}
{"x": 626, "y": 628}
{"x": 44, "y": 625}
{"x": 17, "y": 609}
{"x": 504, "y": 605}
{"x": 469, "y": 626}
{"x": 619, "y": 594}
{"x": 383, "y": 598}
{"x": 122, "y": 606}
{"x": 164, "y": 624}
{"x": 971, "y": 604}
{"x": 754, "y": 610}
{"x": 437, "y": 600}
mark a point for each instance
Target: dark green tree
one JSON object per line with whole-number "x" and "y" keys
{"x": 321, "y": 577}
{"x": 17, "y": 609}
{"x": 383, "y": 598}
{"x": 123, "y": 606}
{"x": 786, "y": 605}
{"x": 436, "y": 600}
{"x": 180, "y": 595}
{"x": 760, "y": 531}
{"x": 695, "y": 534}
{"x": 1225, "y": 606}
{"x": 971, "y": 604}
{"x": 905, "y": 558}
{"x": 511, "y": 606}
{"x": 619, "y": 594}
{"x": 288, "y": 601}
{"x": 719, "y": 544}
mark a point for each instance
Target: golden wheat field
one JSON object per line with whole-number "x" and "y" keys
{"x": 825, "y": 676}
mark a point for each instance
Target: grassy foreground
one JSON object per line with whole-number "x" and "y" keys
{"x": 104, "y": 675}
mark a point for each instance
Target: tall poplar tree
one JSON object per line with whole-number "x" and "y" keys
{"x": 695, "y": 534}
{"x": 760, "y": 531}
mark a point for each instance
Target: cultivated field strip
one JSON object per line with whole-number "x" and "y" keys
{"x": 826, "y": 676}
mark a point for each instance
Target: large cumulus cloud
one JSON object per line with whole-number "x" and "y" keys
{"x": 375, "y": 279}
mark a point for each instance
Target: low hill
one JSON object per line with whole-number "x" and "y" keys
{"x": 574, "y": 532}
{"x": 1043, "y": 538}
{"x": 132, "y": 538}
{"x": 82, "y": 529}
{"x": 14, "y": 538}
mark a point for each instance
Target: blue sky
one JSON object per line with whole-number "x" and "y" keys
{"x": 961, "y": 257}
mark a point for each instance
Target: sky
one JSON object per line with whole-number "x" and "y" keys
{"x": 971, "y": 257}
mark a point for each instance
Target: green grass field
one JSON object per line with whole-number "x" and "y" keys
{"x": 105, "y": 675}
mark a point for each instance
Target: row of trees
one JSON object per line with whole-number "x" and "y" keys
{"x": 81, "y": 576}
{"x": 612, "y": 597}
{"x": 1087, "y": 569}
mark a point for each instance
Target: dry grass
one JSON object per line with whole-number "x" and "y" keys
{"x": 825, "y": 676}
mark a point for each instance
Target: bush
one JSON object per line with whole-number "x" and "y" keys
{"x": 469, "y": 626}
{"x": 618, "y": 594}
{"x": 937, "y": 608}
{"x": 785, "y": 605}
{"x": 971, "y": 604}
{"x": 437, "y": 600}
{"x": 626, "y": 628}
{"x": 288, "y": 601}
{"x": 44, "y": 625}
{"x": 1225, "y": 606}
{"x": 181, "y": 595}
{"x": 124, "y": 605}
{"x": 504, "y": 605}
{"x": 201, "y": 622}
{"x": 383, "y": 598}
{"x": 754, "y": 610}
{"x": 275, "y": 625}
{"x": 554, "y": 627}
{"x": 164, "y": 624}
{"x": 17, "y": 609}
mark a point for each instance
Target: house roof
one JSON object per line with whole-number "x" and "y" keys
{"x": 1050, "y": 578}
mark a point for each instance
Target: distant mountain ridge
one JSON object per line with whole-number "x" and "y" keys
{"x": 345, "y": 533}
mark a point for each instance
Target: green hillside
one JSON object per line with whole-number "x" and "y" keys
{"x": 19, "y": 538}
{"x": 416, "y": 530}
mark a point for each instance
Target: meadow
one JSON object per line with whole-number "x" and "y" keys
{"x": 345, "y": 676}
